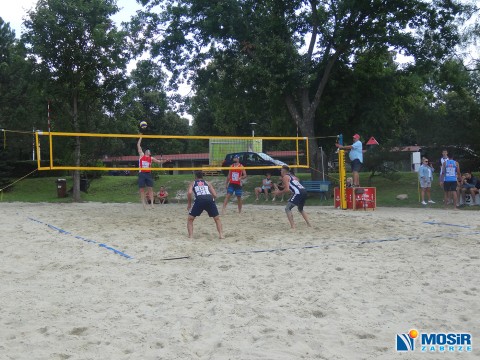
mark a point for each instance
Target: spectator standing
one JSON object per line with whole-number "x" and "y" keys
{"x": 449, "y": 179}
{"x": 425, "y": 177}
{"x": 442, "y": 160}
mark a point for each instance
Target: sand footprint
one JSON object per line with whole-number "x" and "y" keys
{"x": 78, "y": 331}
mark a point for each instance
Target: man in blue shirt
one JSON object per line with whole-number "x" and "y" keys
{"x": 356, "y": 157}
{"x": 450, "y": 178}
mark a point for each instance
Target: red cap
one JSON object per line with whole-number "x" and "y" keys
{"x": 356, "y": 136}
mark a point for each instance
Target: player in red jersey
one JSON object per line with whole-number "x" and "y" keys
{"x": 145, "y": 173}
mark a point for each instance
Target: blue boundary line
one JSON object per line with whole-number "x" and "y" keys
{"x": 258, "y": 251}
{"x": 61, "y": 231}
{"x": 445, "y": 224}
{"x": 361, "y": 242}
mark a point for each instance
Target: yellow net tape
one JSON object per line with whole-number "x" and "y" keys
{"x": 298, "y": 151}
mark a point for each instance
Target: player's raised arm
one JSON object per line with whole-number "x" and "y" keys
{"x": 156, "y": 160}
{"x": 139, "y": 147}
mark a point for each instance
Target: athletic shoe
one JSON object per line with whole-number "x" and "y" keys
{"x": 431, "y": 202}
{"x": 424, "y": 203}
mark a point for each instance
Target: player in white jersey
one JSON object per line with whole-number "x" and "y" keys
{"x": 299, "y": 195}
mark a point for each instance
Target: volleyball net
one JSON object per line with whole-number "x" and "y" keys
{"x": 113, "y": 152}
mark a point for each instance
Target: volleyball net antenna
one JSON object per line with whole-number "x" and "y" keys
{"x": 113, "y": 152}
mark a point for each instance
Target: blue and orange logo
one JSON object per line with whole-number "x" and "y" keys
{"x": 406, "y": 342}
{"x": 435, "y": 342}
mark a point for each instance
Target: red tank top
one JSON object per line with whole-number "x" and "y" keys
{"x": 236, "y": 174}
{"x": 145, "y": 163}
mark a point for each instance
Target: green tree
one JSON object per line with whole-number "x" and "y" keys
{"x": 289, "y": 49}
{"x": 146, "y": 99}
{"x": 21, "y": 97}
{"x": 227, "y": 100}
{"x": 451, "y": 108}
{"x": 375, "y": 97}
{"x": 81, "y": 54}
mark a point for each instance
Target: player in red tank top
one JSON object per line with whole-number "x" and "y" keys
{"x": 145, "y": 174}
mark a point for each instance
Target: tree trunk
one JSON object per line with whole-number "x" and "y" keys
{"x": 306, "y": 119}
{"x": 306, "y": 126}
{"x": 76, "y": 173}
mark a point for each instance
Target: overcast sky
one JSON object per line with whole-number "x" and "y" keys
{"x": 16, "y": 10}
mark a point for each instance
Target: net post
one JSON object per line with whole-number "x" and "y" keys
{"x": 296, "y": 146}
{"x": 307, "y": 151}
{"x": 37, "y": 148}
{"x": 342, "y": 180}
{"x": 51, "y": 149}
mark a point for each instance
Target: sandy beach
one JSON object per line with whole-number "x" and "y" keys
{"x": 112, "y": 281}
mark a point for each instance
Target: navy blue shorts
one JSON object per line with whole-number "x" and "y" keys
{"x": 450, "y": 186}
{"x": 299, "y": 200}
{"x": 145, "y": 179}
{"x": 204, "y": 204}
{"x": 234, "y": 188}
{"x": 356, "y": 165}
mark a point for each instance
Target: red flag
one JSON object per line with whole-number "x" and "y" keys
{"x": 372, "y": 141}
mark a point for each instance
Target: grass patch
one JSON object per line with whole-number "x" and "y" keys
{"x": 123, "y": 189}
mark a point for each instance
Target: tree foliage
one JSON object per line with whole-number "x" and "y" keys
{"x": 81, "y": 55}
{"x": 287, "y": 50}
{"x": 20, "y": 96}
{"x": 321, "y": 68}
{"x": 146, "y": 99}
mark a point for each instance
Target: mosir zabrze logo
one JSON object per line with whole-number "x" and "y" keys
{"x": 435, "y": 342}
